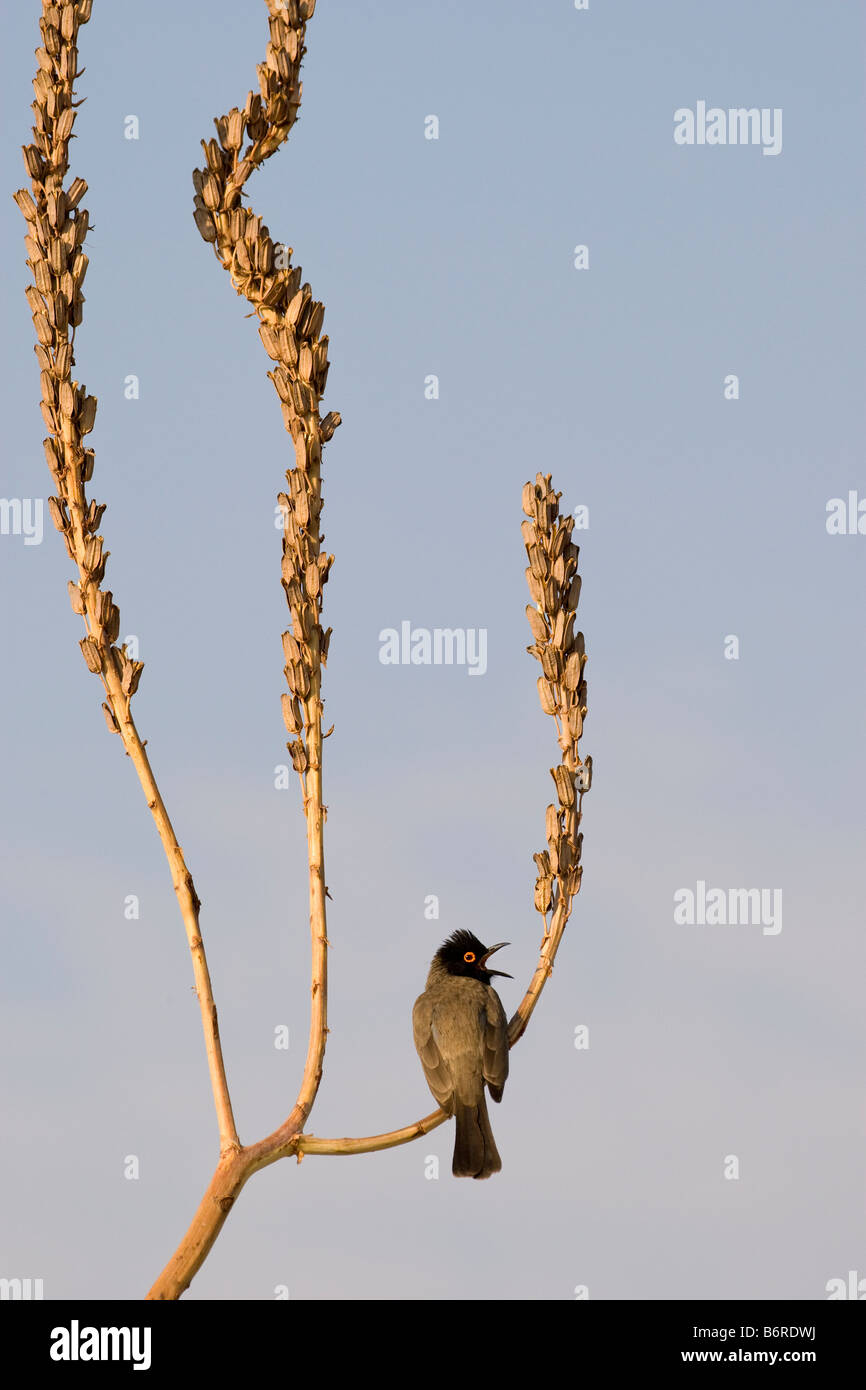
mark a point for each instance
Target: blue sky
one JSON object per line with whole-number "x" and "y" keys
{"x": 453, "y": 257}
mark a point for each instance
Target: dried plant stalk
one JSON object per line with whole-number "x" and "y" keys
{"x": 57, "y": 227}
{"x": 290, "y": 324}
{"x": 554, "y": 585}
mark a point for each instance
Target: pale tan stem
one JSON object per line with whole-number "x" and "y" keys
{"x": 189, "y": 903}
{"x": 315, "y": 813}
{"x": 549, "y": 947}
{"x": 312, "y": 1144}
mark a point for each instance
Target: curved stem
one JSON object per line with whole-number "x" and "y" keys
{"x": 189, "y": 903}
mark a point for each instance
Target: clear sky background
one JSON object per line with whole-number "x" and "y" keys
{"x": 707, "y": 519}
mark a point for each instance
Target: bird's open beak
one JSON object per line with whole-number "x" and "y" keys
{"x": 485, "y": 958}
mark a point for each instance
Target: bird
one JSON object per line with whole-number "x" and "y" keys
{"x": 461, "y": 1036}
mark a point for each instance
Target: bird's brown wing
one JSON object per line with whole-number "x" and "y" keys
{"x": 436, "y": 1069}
{"x": 494, "y": 1066}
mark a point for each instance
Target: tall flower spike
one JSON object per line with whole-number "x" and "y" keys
{"x": 56, "y": 230}
{"x": 290, "y": 327}
{"x": 554, "y": 586}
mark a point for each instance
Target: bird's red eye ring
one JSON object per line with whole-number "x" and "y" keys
{"x": 469, "y": 957}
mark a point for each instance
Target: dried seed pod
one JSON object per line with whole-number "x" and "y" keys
{"x": 295, "y": 303}
{"x": 65, "y": 122}
{"x": 131, "y": 675}
{"x": 302, "y": 509}
{"x": 34, "y": 300}
{"x": 56, "y": 208}
{"x": 546, "y": 696}
{"x": 572, "y": 671}
{"x": 530, "y": 534}
{"x": 87, "y": 415}
{"x": 42, "y": 276}
{"x": 211, "y": 192}
{"x": 299, "y": 756}
{"x": 537, "y": 624}
{"x": 528, "y": 499}
{"x": 110, "y": 720}
{"x": 300, "y": 681}
{"x": 303, "y": 622}
{"x": 271, "y": 341}
{"x": 282, "y": 382}
{"x": 543, "y": 888}
{"x": 330, "y": 423}
{"x": 58, "y": 513}
{"x": 571, "y": 885}
{"x": 44, "y": 331}
{"x": 79, "y": 269}
{"x": 58, "y": 311}
{"x": 235, "y": 132}
{"x": 95, "y": 513}
{"x": 214, "y": 156}
{"x": 77, "y": 191}
{"x": 92, "y": 552}
{"x": 26, "y": 204}
{"x": 75, "y": 598}
{"x": 315, "y": 319}
{"x": 551, "y": 664}
{"x": 537, "y": 561}
{"x": 291, "y": 650}
{"x": 564, "y": 784}
{"x": 48, "y": 386}
{"x": 536, "y": 588}
{"x": 90, "y": 652}
{"x": 291, "y": 714}
{"x": 562, "y": 631}
{"x": 205, "y": 224}
{"x": 112, "y": 623}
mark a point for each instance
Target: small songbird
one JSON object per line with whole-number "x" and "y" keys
{"x": 461, "y": 1035}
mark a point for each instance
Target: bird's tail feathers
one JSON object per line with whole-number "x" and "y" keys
{"x": 475, "y": 1152}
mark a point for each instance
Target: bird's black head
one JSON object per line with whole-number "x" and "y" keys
{"x": 464, "y": 954}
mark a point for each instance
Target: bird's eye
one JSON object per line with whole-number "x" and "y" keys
{"x": 469, "y": 957}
